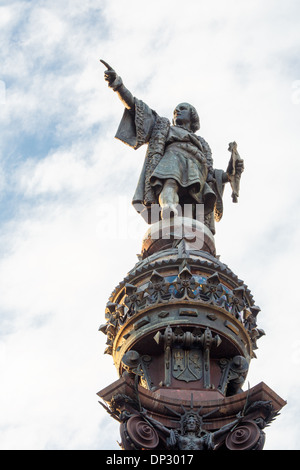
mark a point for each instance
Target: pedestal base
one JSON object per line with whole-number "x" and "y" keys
{"x": 161, "y": 420}
{"x": 182, "y": 329}
{"x": 166, "y": 233}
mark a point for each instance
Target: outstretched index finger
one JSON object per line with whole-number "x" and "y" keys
{"x": 106, "y": 65}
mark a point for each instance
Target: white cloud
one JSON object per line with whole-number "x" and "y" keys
{"x": 43, "y": 31}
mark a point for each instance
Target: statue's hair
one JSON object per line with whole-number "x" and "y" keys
{"x": 186, "y": 417}
{"x": 195, "y": 121}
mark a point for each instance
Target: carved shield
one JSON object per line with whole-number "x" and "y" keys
{"x": 187, "y": 364}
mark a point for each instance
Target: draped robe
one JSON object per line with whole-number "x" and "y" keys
{"x": 173, "y": 152}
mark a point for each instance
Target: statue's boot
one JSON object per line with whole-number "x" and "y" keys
{"x": 169, "y": 199}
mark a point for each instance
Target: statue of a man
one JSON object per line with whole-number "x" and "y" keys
{"x": 178, "y": 167}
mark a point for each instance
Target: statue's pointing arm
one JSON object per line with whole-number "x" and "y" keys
{"x": 138, "y": 119}
{"x": 115, "y": 82}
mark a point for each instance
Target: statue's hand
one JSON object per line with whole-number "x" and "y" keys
{"x": 110, "y": 74}
{"x": 115, "y": 82}
{"x": 239, "y": 167}
{"x": 210, "y": 178}
{"x": 172, "y": 441}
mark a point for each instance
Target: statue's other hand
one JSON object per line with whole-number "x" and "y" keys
{"x": 172, "y": 441}
{"x": 110, "y": 74}
{"x": 240, "y": 166}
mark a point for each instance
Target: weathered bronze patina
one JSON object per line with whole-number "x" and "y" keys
{"x": 178, "y": 168}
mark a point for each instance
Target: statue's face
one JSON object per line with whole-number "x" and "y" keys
{"x": 191, "y": 424}
{"x": 182, "y": 114}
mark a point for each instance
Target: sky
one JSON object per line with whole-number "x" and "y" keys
{"x": 68, "y": 232}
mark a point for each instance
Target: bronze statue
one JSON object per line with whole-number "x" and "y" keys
{"x": 191, "y": 435}
{"x": 178, "y": 168}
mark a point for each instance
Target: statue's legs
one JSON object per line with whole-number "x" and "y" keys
{"x": 169, "y": 199}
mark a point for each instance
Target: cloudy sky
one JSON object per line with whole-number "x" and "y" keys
{"x": 68, "y": 233}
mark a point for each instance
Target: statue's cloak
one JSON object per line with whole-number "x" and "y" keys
{"x": 144, "y": 126}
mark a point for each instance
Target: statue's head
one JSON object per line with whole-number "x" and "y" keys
{"x": 186, "y": 113}
{"x": 191, "y": 423}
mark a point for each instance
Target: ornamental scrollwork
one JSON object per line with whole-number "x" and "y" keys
{"x": 186, "y": 286}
